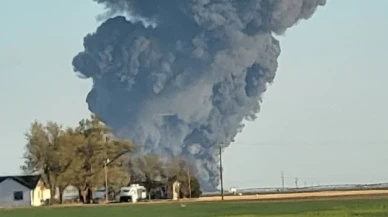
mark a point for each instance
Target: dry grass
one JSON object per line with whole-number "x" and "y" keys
{"x": 307, "y": 195}
{"x": 286, "y": 197}
{"x": 360, "y": 194}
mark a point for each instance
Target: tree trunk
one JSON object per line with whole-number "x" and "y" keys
{"x": 189, "y": 180}
{"x": 61, "y": 190}
{"x": 52, "y": 193}
{"x": 50, "y": 184}
{"x": 81, "y": 196}
{"x": 84, "y": 195}
{"x": 90, "y": 192}
{"x": 148, "y": 187}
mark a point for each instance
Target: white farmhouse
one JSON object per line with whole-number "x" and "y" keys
{"x": 23, "y": 191}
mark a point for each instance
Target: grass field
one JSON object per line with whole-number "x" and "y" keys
{"x": 321, "y": 208}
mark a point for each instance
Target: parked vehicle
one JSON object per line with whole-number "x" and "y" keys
{"x": 131, "y": 193}
{"x": 99, "y": 194}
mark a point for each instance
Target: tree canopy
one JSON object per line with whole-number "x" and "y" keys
{"x": 78, "y": 156}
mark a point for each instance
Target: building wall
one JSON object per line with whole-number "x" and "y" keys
{"x": 70, "y": 193}
{"x": 173, "y": 191}
{"x": 40, "y": 194}
{"x": 7, "y": 189}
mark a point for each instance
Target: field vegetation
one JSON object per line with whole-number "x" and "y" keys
{"x": 322, "y": 208}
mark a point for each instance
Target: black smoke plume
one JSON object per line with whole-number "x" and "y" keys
{"x": 178, "y": 77}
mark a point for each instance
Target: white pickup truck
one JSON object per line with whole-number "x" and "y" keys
{"x": 131, "y": 193}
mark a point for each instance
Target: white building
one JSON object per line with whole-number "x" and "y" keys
{"x": 22, "y": 191}
{"x": 70, "y": 193}
{"x": 233, "y": 190}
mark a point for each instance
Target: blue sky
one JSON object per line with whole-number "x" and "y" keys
{"x": 323, "y": 120}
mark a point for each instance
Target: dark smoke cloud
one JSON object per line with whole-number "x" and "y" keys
{"x": 204, "y": 64}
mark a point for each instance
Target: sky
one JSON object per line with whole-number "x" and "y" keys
{"x": 323, "y": 120}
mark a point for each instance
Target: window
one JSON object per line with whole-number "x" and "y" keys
{"x": 18, "y": 195}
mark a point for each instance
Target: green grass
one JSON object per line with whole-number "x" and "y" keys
{"x": 329, "y": 208}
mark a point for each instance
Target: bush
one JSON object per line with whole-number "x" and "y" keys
{"x": 195, "y": 188}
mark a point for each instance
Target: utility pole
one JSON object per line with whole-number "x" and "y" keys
{"x": 282, "y": 177}
{"x": 189, "y": 180}
{"x": 106, "y": 180}
{"x": 222, "y": 180}
{"x": 296, "y": 182}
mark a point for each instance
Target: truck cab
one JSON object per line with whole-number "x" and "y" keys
{"x": 131, "y": 193}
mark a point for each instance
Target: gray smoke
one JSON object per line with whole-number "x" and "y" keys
{"x": 178, "y": 77}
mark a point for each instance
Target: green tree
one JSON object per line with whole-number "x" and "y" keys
{"x": 74, "y": 156}
{"x": 195, "y": 188}
{"x": 71, "y": 141}
{"x": 148, "y": 169}
{"x": 117, "y": 175}
{"x": 99, "y": 145}
{"x": 182, "y": 171}
{"x": 50, "y": 152}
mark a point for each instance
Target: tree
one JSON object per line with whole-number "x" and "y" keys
{"x": 184, "y": 173}
{"x": 71, "y": 141}
{"x": 195, "y": 188}
{"x": 49, "y": 152}
{"x": 99, "y": 145}
{"x": 74, "y": 156}
{"x": 149, "y": 169}
{"x": 118, "y": 175}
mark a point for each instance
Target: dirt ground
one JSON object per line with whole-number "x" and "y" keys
{"x": 287, "y": 197}
{"x": 308, "y": 195}
{"x": 360, "y": 194}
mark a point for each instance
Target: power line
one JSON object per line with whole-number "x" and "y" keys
{"x": 306, "y": 178}
{"x": 322, "y": 144}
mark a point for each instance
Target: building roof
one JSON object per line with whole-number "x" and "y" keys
{"x": 30, "y": 181}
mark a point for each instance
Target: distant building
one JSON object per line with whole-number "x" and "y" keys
{"x": 23, "y": 191}
{"x": 173, "y": 190}
{"x": 233, "y": 190}
{"x": 70, "y": 193}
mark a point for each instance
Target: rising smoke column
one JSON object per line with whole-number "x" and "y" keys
{"x": 183, "y": 85}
